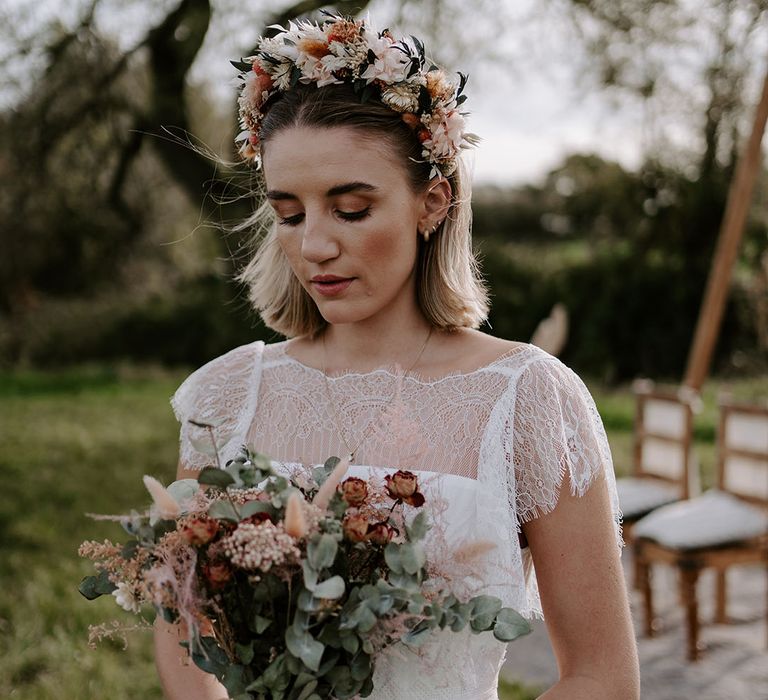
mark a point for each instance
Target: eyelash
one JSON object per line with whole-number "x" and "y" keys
{"x": 295, "y": 220}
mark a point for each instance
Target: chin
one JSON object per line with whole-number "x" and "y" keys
{"x": 339, "y": 312}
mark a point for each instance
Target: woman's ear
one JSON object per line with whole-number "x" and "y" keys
{"x": 437, "y": 202}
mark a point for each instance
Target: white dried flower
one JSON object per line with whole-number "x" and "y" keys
{"x": 126, "y": 598}
{"x": 403, "y": 97}
{"x": 259, "y": 546}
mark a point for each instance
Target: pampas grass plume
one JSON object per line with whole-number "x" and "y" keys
{"x": 295, "y": 522}
{"x": 167, "y": 508}
{"x": 325, "y": 492}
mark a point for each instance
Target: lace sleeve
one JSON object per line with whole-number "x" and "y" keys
{"x": 221, "y": 393}
{"x": 556, "y": 428}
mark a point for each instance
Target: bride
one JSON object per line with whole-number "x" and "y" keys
{"x": 366, "y": 266}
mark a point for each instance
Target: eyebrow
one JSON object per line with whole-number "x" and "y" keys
{"x": 276, "y": 195}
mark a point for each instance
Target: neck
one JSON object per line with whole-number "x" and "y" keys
{"x": 381, "y": 341}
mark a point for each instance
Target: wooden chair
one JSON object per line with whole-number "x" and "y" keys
{"x": 723, "y": 527}
{"x": 664, "y": 468}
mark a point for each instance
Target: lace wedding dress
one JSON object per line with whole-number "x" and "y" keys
{"x": 491, "y": 448}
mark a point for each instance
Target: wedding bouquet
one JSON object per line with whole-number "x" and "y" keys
{"x": 289, "y": 587}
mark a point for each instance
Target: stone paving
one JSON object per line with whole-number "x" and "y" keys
{"x": 734, "y": 663}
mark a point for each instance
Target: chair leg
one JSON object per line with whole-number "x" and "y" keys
{"x": 643, "y": 577}
{"x": 721, "y": 597}
{"x": 688, "y": 578}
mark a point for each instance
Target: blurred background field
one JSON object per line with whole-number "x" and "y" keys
{"x": 78, "y": 441}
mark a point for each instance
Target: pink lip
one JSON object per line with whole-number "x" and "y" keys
{"x": 330, "y": 285}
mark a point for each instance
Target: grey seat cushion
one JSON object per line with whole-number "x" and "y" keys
{"x": 640, "y": 496}
{"x": 712, "y": 519}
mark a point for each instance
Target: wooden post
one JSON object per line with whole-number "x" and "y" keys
{"x": 731, "y": 231}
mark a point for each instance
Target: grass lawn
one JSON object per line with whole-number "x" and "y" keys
{"x": 78, "y": 441}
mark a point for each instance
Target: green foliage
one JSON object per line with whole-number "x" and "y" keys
{"x": 628, "y": 254}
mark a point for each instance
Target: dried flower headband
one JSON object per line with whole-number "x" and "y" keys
{"x": 345, "y": 50}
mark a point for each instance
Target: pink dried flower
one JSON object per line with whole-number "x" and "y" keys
{"x": 199, "y": 530}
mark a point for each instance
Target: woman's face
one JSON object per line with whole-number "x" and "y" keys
{"x": 347, "y": 220}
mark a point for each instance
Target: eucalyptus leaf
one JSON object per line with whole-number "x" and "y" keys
{"x": 412, "y": 557}
{"x": 344, "y": 685}
{"x": 418, "y": 528}
{"x": 484, "y": 611}
{"x": 223, "y": 510}
{"x": 510, "y": 625}
{"x": 322, "y": 552}
{"x": 304, "y": 646}
{"x": 310, "y": 575}
{"x": 360, "y": 666}
{"x": 252, "y": 507}
{"x": 234, "y": 679}
{"x": 261, "y": 623}
{"x": 203, "y": 446}
{"x": 366, "y": 619}
{"x": 307, "y": 602}
{"x": 244, "y": 652}
{"x": 307, "y": 690}
{"x": 211, "y": 476}
{"x": 183, "y": 490}
{"x": 210, "y": 657}
{"x": 129, "y": 549}
{"x": 350, "y": 642}
{"x": 332, "y": 588}
{"x": 393, "y": 557}
{"x": 91, "y": 587}
{"x": 275, "y": 679}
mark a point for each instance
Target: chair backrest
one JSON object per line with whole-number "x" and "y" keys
{"x": 742, "y": 455}
{"x": 663, "y": 436}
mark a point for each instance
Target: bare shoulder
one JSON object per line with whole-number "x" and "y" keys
{"x": 466, "y": 349}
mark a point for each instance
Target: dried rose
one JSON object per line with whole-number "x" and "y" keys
{"x": 257, "y": 518}
{"x": 404, "y": 486}
{"x": 199, "y": 530}
{"x": 354, "y": 491}
{"x": 355, "y": 528}
{"x": 217, "y": 573}
{"x": 381, "y": 533}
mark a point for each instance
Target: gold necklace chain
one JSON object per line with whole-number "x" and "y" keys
{"x": 332, "y": 405}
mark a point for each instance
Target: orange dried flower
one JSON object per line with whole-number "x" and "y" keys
{"x": 411, "y": 119}
{"x": 316, "y": 48}
{"x": 354, "y": 491}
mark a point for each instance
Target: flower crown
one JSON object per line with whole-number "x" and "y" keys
{"x": 345, "y": 50}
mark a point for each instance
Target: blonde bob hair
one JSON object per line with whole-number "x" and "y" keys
{"x": 450, "y": 291}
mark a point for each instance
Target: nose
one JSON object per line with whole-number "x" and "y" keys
{"x": 319, "y": 242}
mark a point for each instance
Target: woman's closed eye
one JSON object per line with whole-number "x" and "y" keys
{"x": 296, "y": 219}
{"x": 354, "y": 215}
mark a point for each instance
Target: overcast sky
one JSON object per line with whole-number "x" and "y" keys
{"x": 530, "y": 109}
